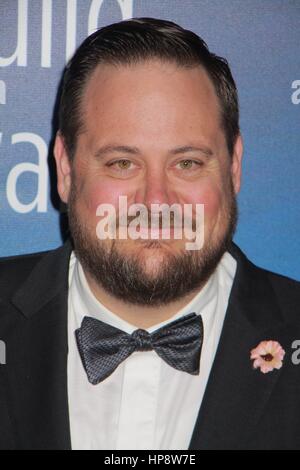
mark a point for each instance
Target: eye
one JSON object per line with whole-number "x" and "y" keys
{"x": 122, "y": 164}
{"x": 189, "y": 164}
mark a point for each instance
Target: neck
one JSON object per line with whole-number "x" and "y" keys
{"x": 139, "y": 316}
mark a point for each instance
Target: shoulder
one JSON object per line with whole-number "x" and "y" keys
{"x": 280, "y": 283}
{"x": 14, "y": 270}
{"x": 286, "y": 290}
{"x": 266, "y": 287}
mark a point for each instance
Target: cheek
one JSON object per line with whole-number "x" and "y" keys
{"x": 95, "y": 193}
{"x": 208, "y": 194}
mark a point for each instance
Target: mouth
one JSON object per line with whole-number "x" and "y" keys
{"x": 157, "y": 233}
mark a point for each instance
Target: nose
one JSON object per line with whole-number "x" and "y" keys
{"x": 154, "y": 189}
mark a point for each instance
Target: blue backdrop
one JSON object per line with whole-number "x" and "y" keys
{"x": 261, "y": 40}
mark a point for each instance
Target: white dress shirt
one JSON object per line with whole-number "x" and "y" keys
{"x": 145, "y": 403}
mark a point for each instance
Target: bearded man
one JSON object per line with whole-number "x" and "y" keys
{"x": 137, "y": 342}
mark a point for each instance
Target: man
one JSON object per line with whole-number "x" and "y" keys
{"x": 135, "y": 342}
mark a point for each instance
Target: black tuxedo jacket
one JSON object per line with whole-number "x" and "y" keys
{"x": 242, "y": 408}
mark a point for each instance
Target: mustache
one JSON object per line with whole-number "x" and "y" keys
{"x": 157, "y": 220}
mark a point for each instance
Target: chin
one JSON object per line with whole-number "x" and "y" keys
{"x": 152, "y": 266}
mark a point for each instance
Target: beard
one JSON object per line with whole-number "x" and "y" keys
{"x": 123, "y": 275}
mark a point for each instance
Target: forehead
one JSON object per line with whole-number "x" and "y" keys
{"x": 150, "y": 98}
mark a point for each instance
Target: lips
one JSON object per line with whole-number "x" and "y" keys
{"x": 156, "y": 232}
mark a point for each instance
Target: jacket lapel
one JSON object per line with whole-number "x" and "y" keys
{"x": 39, "y": 347}
{"x": 236, "y": 394}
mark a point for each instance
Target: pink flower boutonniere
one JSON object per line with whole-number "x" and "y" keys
{"x": 267, "y": 356}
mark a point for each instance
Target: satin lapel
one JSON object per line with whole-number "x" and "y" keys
{"x": 236, "y": 394}
{"x": 37, "y": 370}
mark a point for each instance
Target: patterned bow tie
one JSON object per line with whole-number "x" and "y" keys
{"x": 103, "y": 347}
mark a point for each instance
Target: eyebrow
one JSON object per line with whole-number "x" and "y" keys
{"x": 105, "y": 149}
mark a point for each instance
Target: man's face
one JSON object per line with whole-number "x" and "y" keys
{"x": 172, "y": 149}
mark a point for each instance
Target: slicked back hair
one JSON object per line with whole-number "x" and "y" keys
{"x": 138, "y": 40}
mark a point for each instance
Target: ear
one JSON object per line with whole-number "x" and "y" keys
{"x": 63, "y": 168}
{"x": 236, "y": 165}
